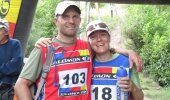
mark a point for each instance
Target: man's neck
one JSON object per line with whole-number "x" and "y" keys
{"x": 4, "y": 40}
{"x": 66, "y": 40}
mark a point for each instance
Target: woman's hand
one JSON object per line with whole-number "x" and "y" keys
{"x": 43, "y": 42}
{"x": 125, "y": 84}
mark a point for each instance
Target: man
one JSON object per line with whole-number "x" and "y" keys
{"x": 71, "y": 70}
{"x": 11, "y": 57}
{"x": 70, "y": 73}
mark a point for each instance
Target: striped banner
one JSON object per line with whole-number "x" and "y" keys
{"x": 9, "y": 10}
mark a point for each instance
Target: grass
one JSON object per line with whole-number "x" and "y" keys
{"x": 152, "y": 90}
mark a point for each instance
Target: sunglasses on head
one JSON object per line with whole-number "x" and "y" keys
{"x": 99, "y": 25}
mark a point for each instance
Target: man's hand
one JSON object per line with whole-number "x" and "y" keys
{"x": 134, "y": 58}
{"x": 43, "y": 42}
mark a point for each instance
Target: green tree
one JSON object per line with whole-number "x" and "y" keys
{"x": 149, "y": 28}
{"x": 43, "y": 22}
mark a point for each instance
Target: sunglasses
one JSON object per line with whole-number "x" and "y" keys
{"x": 98, "y": 25}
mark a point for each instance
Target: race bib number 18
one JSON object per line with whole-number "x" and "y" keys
{"x": 102, "y": 92}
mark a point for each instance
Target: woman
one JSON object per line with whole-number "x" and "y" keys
{"x": 105, "y": 65}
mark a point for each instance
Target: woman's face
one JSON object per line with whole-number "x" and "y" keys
{"x": 99, "y": 41}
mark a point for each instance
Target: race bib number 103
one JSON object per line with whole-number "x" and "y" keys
{"x": 73, "y": 82}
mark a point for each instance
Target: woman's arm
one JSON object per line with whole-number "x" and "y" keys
{"x": 137, "y": 94}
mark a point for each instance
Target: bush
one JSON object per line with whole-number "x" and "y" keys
{"x": 42, "y": 23}
{"x": 149, "y": 28}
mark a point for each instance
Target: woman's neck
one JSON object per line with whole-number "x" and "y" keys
{"x": 104, "y": 57}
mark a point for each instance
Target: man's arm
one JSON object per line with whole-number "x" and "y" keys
{"x": 29, "y": 74}
{"x": 22, "y": 89}
{"x": 133, "y": 58}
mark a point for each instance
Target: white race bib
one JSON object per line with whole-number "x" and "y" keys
{"x": 73, "y": 82}
{"x": 103, "y": 92}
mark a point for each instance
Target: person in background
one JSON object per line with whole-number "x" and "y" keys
{"x": 105, "y": 65}
{"x": 70, "y": 73}
{"x": 11, "y": 56}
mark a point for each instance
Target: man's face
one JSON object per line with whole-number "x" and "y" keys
{"x": 68, "y": 23}
{"x": 99, "y": 41}
{"x": 2, "y": 34}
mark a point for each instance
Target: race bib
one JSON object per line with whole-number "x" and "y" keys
{"x": 73, "y": 82}
{"x": 103, "y": 92}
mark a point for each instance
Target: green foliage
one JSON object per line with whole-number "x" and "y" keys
{"x": 44, "y": 17}
{"x": 152, "y": 90}
{"x": 92, "y": 4}
{"x": 111, "y": 21}
{"x": 149, "y": 27}
{"x": 42, "y": 23}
